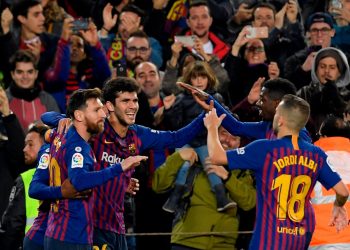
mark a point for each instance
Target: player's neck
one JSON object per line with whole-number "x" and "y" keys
{"x": 82, "y": 131}
{"x": 282, "y": 132}
{"x": 119, "y": 128}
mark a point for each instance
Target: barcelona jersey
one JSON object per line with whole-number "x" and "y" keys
{"x": 286, "y": 171}
{"x": 110, "y": 148}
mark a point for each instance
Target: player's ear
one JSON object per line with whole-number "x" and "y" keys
{"x": 109, "y": 106}
{"x": 78, "y": 115}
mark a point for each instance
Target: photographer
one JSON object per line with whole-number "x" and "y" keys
{"x": 80, "y": 61}
{"x": 245, "y": 64}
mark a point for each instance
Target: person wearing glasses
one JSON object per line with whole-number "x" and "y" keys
{"x": 319, "y": 31}
{"x": 129, "y": 20}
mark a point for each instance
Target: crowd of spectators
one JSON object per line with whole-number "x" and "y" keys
{"x": 50, "y": 48}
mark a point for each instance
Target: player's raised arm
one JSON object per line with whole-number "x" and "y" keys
{"x": 216, "y": 152}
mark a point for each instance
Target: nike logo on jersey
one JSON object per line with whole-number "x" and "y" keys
{"x": 108, "y": 142}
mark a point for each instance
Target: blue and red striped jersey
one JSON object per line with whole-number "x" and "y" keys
{"x": 110, "y": 148}
{"x": 286, "y": 171}
{"x": 70, "y": 220}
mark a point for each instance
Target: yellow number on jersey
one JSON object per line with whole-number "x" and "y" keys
{"x": 291, "y": 196}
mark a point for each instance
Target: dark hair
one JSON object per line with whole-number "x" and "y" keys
{"x": 333, "y": 53}
{"x": 200, "y": 68}
{"x": 140, "y": 34}
{"x": 197, "y": 3}
{"x": 265, "y": 5}
{"x": 38, "y": 128}
{"x": 296, "y": 111}
{"x": 25, "y": 56}
{"x": 115, "y": 86}
{"x": 277, "y": 88}
{"x": 21, "y": 7}
{"x": 334, "y": 126}
{"x": 134, "y": 9}
{"x": 77, "y": 100}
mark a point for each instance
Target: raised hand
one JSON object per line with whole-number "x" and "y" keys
{"x": 4, "y": 103}
{"x": 109, "y": 21}
{"x": 241, "y": 40}
{"x": 90, "y": 35}
{"x": 211, "y": 119}
{"x": 292, "y": 11}
{"x": 6, "y": 20}
{"x": 132, "y": 161}
{"x": 273, "y": 70}
{"x": 254, "y": 93}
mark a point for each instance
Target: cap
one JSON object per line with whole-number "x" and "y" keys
{"x": 319, "y": 17}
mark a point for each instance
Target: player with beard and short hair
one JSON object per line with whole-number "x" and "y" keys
{"x": 70, "y": 223}
{"x": 120, "y": 139}
{"x": 286, "y": 171}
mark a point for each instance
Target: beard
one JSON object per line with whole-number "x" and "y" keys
{"x": 94, "y": 128}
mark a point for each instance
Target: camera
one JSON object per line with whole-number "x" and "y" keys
{"x": 80, "y": 24}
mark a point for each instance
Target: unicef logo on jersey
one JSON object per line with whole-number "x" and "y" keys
{"x": 77, "y": 160}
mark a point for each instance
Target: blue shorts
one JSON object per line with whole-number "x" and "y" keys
{"x": 53, "y": 244}
{"x": 29, "y": 244}
{"x": 108, "y": 240}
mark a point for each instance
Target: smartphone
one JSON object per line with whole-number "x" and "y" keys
{"x": 120, "y": 68}
{"x": 187, "y": 41}
{"x": 80, "y": 24}
{"x": 258, "y": 32}
{"x": 314, "y": 48}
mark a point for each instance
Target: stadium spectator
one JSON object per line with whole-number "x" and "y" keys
{"x": 319, "y": 31}
{"x": 11, "y": 145}
{"x": 245, "y": 64}
{"x": 80, "y": 63}
{"x": 198, "y": 201}
{"x": 28, "y": 32}
{"x": 26, "y": 98}
{"x": 130, "y": 19}
{"x": 329, "y": 90}
{"x": 22, "y": 209}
